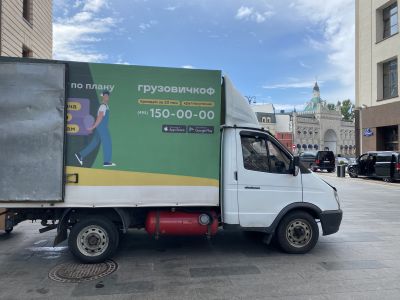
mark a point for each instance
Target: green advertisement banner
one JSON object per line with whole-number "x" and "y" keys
{"x": 144, "y": 119}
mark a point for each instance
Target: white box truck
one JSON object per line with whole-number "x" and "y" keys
{"x": 92, "y": 150}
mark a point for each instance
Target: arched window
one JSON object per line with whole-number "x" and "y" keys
{"x": 264, "y": 120}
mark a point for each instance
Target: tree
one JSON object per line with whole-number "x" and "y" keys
{"x": 347, "y": 110}
{"x": 331, "y": 106}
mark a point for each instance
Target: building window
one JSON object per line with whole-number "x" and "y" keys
{"x": 26, "y": 52}
{"x": 268, "y": 120}
{"x": 388, "y": 138}
{"x": 389, "y": 70}
{"x": 27, "y": 10}
{"x": 390, "y": 20}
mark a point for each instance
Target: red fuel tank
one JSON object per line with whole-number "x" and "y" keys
{"x": 181, "y": 223}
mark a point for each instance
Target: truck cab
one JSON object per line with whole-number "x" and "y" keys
{"x": 266, "y": 189}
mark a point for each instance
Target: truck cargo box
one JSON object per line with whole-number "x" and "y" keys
{"x": 156, "y": 140}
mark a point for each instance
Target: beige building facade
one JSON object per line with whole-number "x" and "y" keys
{"x": 26, "y": 28}
{"x": 377, "y": 81}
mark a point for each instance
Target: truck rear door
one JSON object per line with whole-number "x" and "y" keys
{"x": 32, "y": 103}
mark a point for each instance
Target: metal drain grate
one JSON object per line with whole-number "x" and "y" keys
{"x": 73, "y": 272}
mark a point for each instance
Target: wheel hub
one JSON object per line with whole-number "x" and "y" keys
{"x": 92, "y": 240}
{"x": 298, "y": 233}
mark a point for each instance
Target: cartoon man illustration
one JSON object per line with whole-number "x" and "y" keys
{"x": 101, "y": 134}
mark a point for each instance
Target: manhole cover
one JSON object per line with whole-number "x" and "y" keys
{"x": 72, "y": 272}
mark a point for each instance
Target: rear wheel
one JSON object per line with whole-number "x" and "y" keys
{"x": 387, "y": 179}
{"x": 352, "y": 172}
{"x": 330, "y": 170}
{"x": 93, "y": 239}
{"x": 297, "y": 232}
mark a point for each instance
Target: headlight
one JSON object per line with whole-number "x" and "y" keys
{"x": 337, "y": 198}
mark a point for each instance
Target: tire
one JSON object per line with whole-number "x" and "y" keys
{"x": 8, "y": 231}
{"x": 94, "y": 239}
{"x": 330, "y": 170}
{"x": 387, "y": 179}
{"x": 351, "y": 172}
{"x": 314, "y": 169}
{"x": 297, "y": 233}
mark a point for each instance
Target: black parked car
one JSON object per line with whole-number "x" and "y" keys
{"x": 322, "y": 160}
{"x": 307, "y": 158}
{"x": 377, "y": 164}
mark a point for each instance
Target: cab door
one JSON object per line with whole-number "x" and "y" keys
{"x": 265, "y": 183}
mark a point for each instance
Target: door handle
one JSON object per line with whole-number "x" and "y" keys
{"x": 252, "y": 187}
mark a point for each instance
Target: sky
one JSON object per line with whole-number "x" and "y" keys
{"x": 273, "y": 50}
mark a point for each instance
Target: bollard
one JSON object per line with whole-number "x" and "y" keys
{"x": 341, "y": 171}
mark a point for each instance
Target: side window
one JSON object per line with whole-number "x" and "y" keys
{"x": 255, "y": 157}
{"x": 279, "y": 161}
{"x": 384, "y": 158}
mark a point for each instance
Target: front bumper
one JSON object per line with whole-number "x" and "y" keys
{"x": 330, "y": 221}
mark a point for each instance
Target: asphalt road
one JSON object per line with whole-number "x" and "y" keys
{"x": 361, "y": 261}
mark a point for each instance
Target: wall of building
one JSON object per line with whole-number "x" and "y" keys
{"x": 378, "y": 117}
{"x": 17, "y": 32}
{"x": 286, "y": 138}
{"x": 322, "y": 129}
{"x": 283, "y": 123}
{"x": 371, "y": 51}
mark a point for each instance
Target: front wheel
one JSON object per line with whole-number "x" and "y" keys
{"x": 297, "y": 233}
{"x": 93, "y": 239}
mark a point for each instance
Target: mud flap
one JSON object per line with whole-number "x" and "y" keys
{"x": 62, "y": 228}
{"x": 3, "y": 214}
{"x": 6, "y": 220}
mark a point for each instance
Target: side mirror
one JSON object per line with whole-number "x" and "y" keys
{"x": 295, "y": 166}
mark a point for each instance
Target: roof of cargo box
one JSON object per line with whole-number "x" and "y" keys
{"x": 237, "y": 110}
